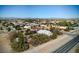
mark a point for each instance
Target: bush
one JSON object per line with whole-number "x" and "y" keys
{"x": 39, "y": 39}
{"x": 1, "y": 28}
{"x": 18, "y": 27}
{"x": 54, "y": 36}
{"x": 69, "y": 28}
{"x": 21, "y": 45}
{"x": 9, "y": 29}
{"x": 28, "y": 32}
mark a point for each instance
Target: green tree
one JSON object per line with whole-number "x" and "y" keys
{"x": 9, "y": 29}
{"x": 29, "y": 32}
{"x": 21, "y": 45}
{"x": 1, "y": 28}
{"x": 18, "y": 27}
{"x": 11, "y": 24}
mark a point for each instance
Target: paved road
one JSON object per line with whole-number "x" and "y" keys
{"x": 69, "y": 45}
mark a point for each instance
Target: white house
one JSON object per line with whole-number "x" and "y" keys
{"x": 46, "y": 32}
{"x": 27, "y": 27}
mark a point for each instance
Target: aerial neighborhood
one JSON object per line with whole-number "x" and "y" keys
{"x": 32, "y": 32}
{"x": 39, "y": 29}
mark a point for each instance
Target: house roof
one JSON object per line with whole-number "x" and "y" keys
{"x": 46, "y": 32}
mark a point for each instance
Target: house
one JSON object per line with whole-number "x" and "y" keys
{"x": 27, "y": 27}
{"x": 46, "y": 32}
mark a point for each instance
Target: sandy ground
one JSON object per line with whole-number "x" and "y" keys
{"x": 5, "y": 42}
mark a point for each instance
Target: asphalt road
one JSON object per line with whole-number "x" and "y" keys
{"x": 69, "y": 45}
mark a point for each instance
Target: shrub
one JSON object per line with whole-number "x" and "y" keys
{"x": 54, "y": 36}
{"x": 69, "y": 28}
{"x": 9, "y": 29}
{"x": 39, "y": 39}
{"x": 28, "y": 32}
{"x": 1, "y": 28}
{"x": 18, "y": 27}
{"x": 21, "y": 45}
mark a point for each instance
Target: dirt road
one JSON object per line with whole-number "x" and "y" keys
{"x": 5, "y": 41}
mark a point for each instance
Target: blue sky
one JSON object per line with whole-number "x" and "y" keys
{"x": 41, "y": 11}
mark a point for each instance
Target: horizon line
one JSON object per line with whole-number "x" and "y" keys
{"x": 41, "y": 17}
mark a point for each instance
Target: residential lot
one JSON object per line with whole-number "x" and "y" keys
{"x": 20, "y": 35}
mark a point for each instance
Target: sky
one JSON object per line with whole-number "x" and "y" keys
{"x": 40, "y": 11}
